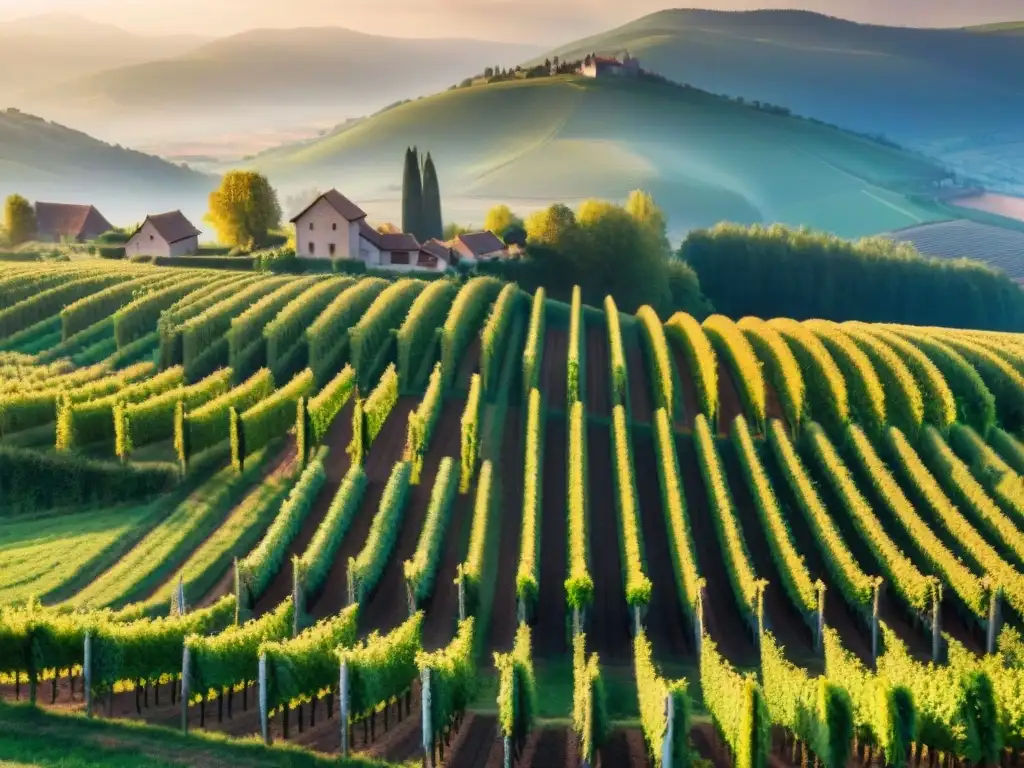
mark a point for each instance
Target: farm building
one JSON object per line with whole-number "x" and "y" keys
{"x": 478, "y": 246}
{"x": 164, "y": 234}
{"x": 1002, "y": 249}
{"x": 333, "y": 227}
{"x": 610, "y": 66}
{"x": 58, "y": 222}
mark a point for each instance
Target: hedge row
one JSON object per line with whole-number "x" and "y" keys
{"x": 737, "y": 706}
{"x": 1008, "y": 447}
{"x": 579, "y": 586}
{"x": 369, "y": 338}
{"x": 82, "y": 343}
{"x": 573, "y": 385}
{"x": 685, "y": 332}
{"x": 270, "y": 418}
{"x": 677, "y": 523}
{"x": 288, "y": 329}
{"x": 826, "y": 389}
{"x": 517, "y": 690}
{"x": 730, "y": 342}
{"x": 242, "y": 263}
{"x": 463, "y": 322}
{"x": 377, "y": 407}
{"x": 247, "y": 328}
{"x": 318, "y": 559}
{"x": 152, "y": 420}
{"x": 91, "y": 309}
{"x": 418, "y": 332}
{"x": 856, "y": 587}
{"x": 864, "y": 388}
{"x": 470, "y": 433}
{"x": 382, "y": 668}
{"x": 528, "y": 571}
{"x": 972, "y": 591}
{"x": 659, "y": 360}
{"x": 904, "y": 404}
{"x": 324, "y": 408}
{"x": 617, "y": 353}
{"x": 364, "y": 570}
{"x": 783, "y": 369}
{"x": 471, "y": 572}
{"x": 421, "y": 570}
{"x": 655, "y": 695}
{"x": 638, "y": 585}
{"x": 80, "y": 424}
{"x": 915, "y": 588}
{"x": 422, "y": 422}
{"x": 493, "y": 334}
{"x": 534, "y": 350}
{"x": 34, "y": 480}
{"x": 44, "y": 304}
{"x": 328, "y": 336}
{"x": 209, "y": 425}
{"x": 590, "y": 719}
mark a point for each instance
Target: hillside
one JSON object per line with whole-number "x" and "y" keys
{"x": 265, "y": 78}
{"x": 951, "y": 92}
{"x": 44, "y": 160}
{"x": 531, "y": 142}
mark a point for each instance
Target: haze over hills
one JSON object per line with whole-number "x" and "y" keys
{"x": 46, "y": 161}
{"x": 953, "y": 93}
{"x": 531, "y": 142}
{"x": 40, "y": 51}
{"x": 265, "y": 78}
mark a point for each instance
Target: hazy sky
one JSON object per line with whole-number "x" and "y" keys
{"x": 544, "y": 20}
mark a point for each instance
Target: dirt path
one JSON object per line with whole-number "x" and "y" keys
{"x": 477, "y": 744}
{"x": 387, "y": 607}
{"x": 641, "y": 404}
{"x": 773, "y": 406}
{"x": 625, "y": 748}
{"x": 608, "y": 628}
{"x": 690, "y": 397}
{"x": 443, "y": 606}
{"x": 782, "y": 618}
{"x": 729, "y": 404}
{"x": 550, "y": 632}
{"x": 503, "y": 614}
{"x": 669, "y": 631}
{"x": 553, "y": 368}
{"x": 599, "y": 395}
{"x": 469, "y": 364}
{"x": 723, "y": 620}
{"x": 385, "y": 451}
{"x": 336, "y": 466}
{"x": 550, "y": 748}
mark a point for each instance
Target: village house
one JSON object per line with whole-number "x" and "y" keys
{"x": 61, "y": 222}
{"x": 333, "y": 227}
{"x": 478, "y": 246}
{"x": 163, "y": 234}
{"x": 609, "y": 66}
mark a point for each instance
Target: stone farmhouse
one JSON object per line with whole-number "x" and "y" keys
{"x": 610, "y": 66}
{"x": 61, "y": 222}
{"x": 164, "y": 234}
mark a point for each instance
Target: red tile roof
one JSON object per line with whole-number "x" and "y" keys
{"x": 338, "y": 202}
{"x": 60, "y": 220}
{"x": 171, "y": 226}
{"x": 482, "y": 243}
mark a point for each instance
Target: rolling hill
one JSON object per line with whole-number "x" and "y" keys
{"x": 530, "y": 142}
{"x": 270, "y": 78}
{"x": 954, "y": 93}
{"x": 44, "y": 160}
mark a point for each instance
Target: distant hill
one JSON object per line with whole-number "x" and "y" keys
{"x": 530, "y": 142}
{"x": 40, "y": 51}
{"x": 47, "y": 161}
{"x": 952, "y": 92}
{"x": 266, "y": 78}
{"x": 1012, "y": 28}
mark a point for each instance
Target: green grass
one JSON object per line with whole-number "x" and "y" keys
{"x": 34, "y": 737}
{"x": 704, "y": 158}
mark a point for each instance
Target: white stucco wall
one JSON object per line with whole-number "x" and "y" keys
{"x": 328, "y": 227}
{"x": 185, "y": 247}
{"x": 147, "y": 242}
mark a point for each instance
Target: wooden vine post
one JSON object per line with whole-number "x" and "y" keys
{"x": 666, "y": 743}
{"x": 343, "y": 706}
{"x": 936, "y": 623}
{"x": 185, "y": 667}
{"x": 264, "y": 715}
{"x": 87, "y": 673}
{"x": 819, "y": 630}
{"x": 428, "y": 729}
{"x": 993, "y": 620}
{"x": 874, "y": 620}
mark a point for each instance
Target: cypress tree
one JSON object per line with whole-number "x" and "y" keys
{"x": 432, "y": 221}
{"x": 412, "y": 194}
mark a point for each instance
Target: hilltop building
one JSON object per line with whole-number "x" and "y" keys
{"x": 610, "y": 66}
{"x": 333, "y": 227}
{"x": 60, "y": 222}
{"x": 163, "y": 234}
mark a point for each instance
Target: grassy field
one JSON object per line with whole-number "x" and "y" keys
{"x": 704, "y": 158}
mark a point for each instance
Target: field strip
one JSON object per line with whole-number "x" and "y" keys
{"x": 895, "y": 207}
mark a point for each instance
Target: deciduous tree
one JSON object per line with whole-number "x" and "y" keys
{"x": 500, "y": 219}
{"x": 19, "y": 219}
{"x": 243, "y": 209}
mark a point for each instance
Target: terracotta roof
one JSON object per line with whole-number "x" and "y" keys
{"x": 399, "y": 241}
{"x": 606, "y": 60}
{"x": 482, "y": 243}
{"x": 338, "y": 202}
{"x": 171, "y": 226}
{"x": 435, "y": 247}
{"x": 59, "y": 220}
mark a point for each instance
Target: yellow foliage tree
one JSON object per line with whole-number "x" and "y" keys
{"x": 243, "y": 209}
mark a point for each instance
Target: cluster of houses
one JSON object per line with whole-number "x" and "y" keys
{"x": 610, "y": 66}
{"x": 331, "y": 227}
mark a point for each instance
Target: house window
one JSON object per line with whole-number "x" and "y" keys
{"x": 150, "y": 237}
{"x": 312, "y": 248}
{"x": 426, "y": 260}
{"x": 311, "y": 226}
{"x": 334, "y": 226}
{"x": 330, "y": 248}
{"x": 400, "y": 257}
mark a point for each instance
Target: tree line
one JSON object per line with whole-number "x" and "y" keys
{"x": 777, "y": 271}
{"x": 421, "y": 197}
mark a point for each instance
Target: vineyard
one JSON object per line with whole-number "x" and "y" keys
{"x": 455, "y": 524}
